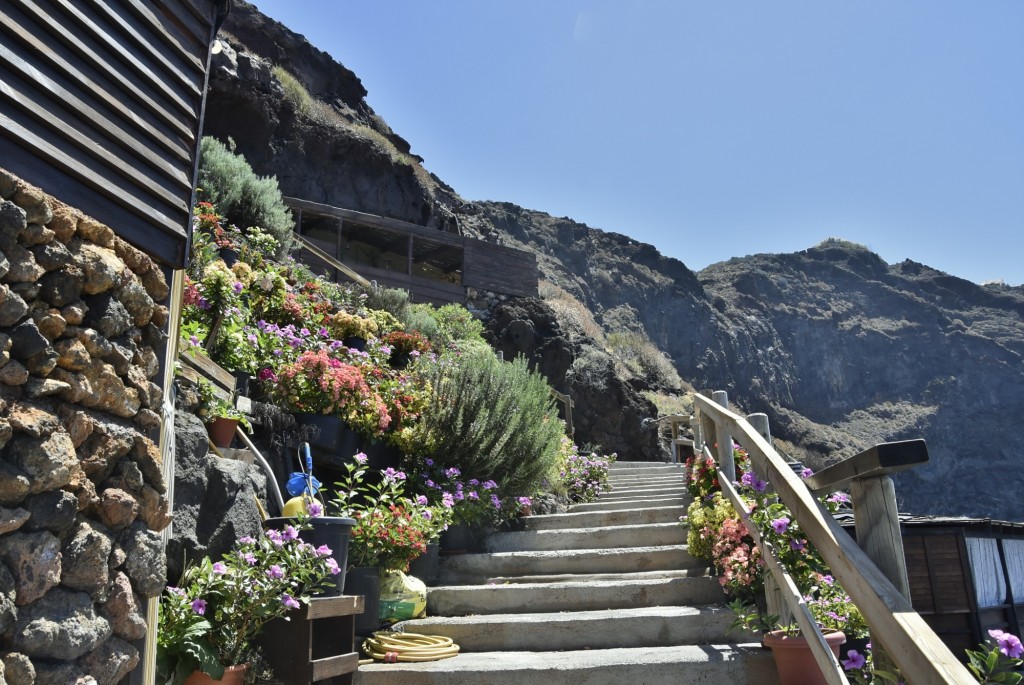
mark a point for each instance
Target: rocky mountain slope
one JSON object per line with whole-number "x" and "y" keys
{"x": 839, "y": 348}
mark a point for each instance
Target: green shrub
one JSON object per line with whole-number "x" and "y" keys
{"x": 420, "y": 317}
{"x": 705, "y": 519}
{"x": 446, "y": 326}
{"x": 493, "y": 420}
{"x": 394, "y": 301}
{"x": 642, "y": 357}
{"x": 246, "y": 199}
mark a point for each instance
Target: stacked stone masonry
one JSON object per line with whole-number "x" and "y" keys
{"x": 83, "y": 317}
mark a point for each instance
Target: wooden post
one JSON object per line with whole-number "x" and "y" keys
{"x": 878, "y": 533}
{"x": 725, "y": 459}
{"x": 698, "y": 437}
{"x": 408, "y": 269}
{"x": 774, "y": 602}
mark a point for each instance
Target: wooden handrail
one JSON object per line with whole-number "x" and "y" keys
{"x": 920, "y": 655}
{"x": 331, "y": 261}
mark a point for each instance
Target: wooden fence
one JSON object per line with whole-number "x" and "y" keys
{"x": 872, "y": 573}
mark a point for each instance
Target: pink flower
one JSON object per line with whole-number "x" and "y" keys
{"x": 314, "y": 509}
{"x": 275, "y": 571}
{"x": 289, "y": 601}
{"x": 199, "y": 606}
{"x": 219, "y": 568}
{"x": 360, "y": 458}
{"x": 323, "y": 551}
{"x": 332, "y": 566}
{"x": 290, "y": 533}
{"x": 780, "y": 525}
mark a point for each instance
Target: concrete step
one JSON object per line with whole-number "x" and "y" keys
{"x": 598, "y": 519}
{"x": 626, "y": 465}
{"x": 643, "y": 535}
{"x": 630, "y": 503}
{"x": 694, "y": 572}
{"x": 468, "y": 568}
{"x": 582, "y": 594}
{"x": 646, "y": 493}
{"x": 644, "y": 489}
{"x": 732, "y": 664}
{"x": 663, "y": 626}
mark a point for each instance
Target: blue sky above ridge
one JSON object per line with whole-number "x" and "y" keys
{"x": 713, "y": 130}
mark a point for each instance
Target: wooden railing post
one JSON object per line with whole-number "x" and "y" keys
{"x": 774, "y": 602}
{"x": 725, "y": 459}
{"x": 698, "y": 437}
{"x": 877, "y": 523}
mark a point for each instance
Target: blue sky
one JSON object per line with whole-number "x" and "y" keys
{"x": 713, "y": 129}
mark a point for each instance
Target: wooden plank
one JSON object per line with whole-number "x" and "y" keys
{"x": 35, "y": 160}
{"x": 189, "y": 39}
{"x": 881, "y": 460}
{"x": 920, "y": 654}
{"x": 65, "y": 128}
{"x": 100, "y": 121}
{"x": 331, "y": 261}
{"x": 329, "y": 667}
{"x": 208, "y": 368}
{"x": 12, "y": 26}
{"x": 87, "y": 56}
{"x": 144, "y": 43}
{"x": 325, "y": 607}
{"x": 115, "y": 44}
{"x": 375, "y": 221}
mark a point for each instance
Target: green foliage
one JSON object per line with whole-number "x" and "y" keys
{"x": 294, "y": 91}
{"x": 394, "y": 301}
{"x": 245, "y": 198}
{"x": 420, "y": 317}
{"x": 705, "y": 517}
{"x": 445, "y": 327}
{"x": 642, "y": 357}
{"x": 492, "y": 419}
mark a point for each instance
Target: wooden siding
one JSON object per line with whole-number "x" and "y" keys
{"x": 500, "y": 269}
{"x": 101, "y": 105}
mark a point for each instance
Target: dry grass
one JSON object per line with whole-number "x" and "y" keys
{"x": 642, "y": 357}
{"x": 572, "y": 314}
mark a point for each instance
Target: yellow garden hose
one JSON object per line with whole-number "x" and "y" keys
{"x": 392, "y": 648}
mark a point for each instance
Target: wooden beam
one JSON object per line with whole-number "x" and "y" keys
{"x": 921, "y": 656}
{"x": 331, "y": 261}
{"x": 881, "y": 460}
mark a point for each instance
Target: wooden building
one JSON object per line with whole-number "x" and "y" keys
{"x": 966, "y": 576}
{"x": 101, "y": 106}
{"x": 433, "y": 266}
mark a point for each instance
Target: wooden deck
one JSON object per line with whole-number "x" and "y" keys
{"x": 432, "y": 265}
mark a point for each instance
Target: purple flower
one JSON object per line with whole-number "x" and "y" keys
{"x": 414, "y": 354}
{"x": 524, "y": 501}
{"x": 839, "y": 498}
{"x": 490, "y": 485}
{"x": 323, "y": 551}
{"x": 275, "y": 537}
{"x": 237, "y": 287}
{"x": 447, "y": 500}
{"x": 250, "y": 558}
{"x": 314, "y": 508}
{"x": 289, "y": 601}
{"x": 1009, "y": 644}
{"x": 780, "y": 525}
{"x": 332, "y": 566}
{"x": 360, "y": 458}
{"x": 245, "y": 540}
{"x": 290, "y": 533}
{"x": 427, "y": 514}
{"x": 203, "y": 303}
{"x": 452, "y": 472}
{"x": 219, "y": 568}
{"x": 854, "y": 660}
{"x": 175, "y": 590}
{"x": 474, "y": 482}
{"x": 827, "y": 579}
{"x": 797, "y": 545}
{"x": 431, "y": 484}
{"x": 421, "y": 500}
{"x": 807, "y": 473}
{"x": 429, "y": 462}
{"x": 472, "y": 495}
{"x": 275, "y": 571}
{"x": 304, "y": 332}
{"x": 199, "y": 606}
{"x": 747, "y": 479}
{"x": 193, "y": 341}
{"x": 495, "y": 502}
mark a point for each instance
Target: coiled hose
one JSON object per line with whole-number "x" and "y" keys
{"x": 391, "y": 647}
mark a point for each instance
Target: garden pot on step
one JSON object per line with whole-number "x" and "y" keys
{"x": 222, "y": 431}
{"x": 233, "y": 675}
{"x": 365, "y": 581}
{"x": 794, "y": 660}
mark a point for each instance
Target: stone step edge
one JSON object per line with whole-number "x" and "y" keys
{"x": 695, "y": 612}
{"x": 586, "y": 578}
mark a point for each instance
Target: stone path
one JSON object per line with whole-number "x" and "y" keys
{"x": 604, "y": 594}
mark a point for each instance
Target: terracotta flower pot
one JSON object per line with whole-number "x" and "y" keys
{"x": 233, "y": 675}
{"x": 222, "y": 431}
{"x": 794, "y": 660}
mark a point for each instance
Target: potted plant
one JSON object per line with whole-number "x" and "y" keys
{"x": 208, "y": 621}
{"x": 220, "y": 416}
{"x": 353, "y": 329}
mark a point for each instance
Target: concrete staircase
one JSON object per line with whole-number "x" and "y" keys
{"x": 604, "y": 594}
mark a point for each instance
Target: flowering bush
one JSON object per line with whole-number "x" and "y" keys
{"x": 321, "y": 384}
{"x": 737, "y": 559}
{"x": 583, "y": 476}
{"x": 209, "y": 620}
{"x": 391, "y": 529}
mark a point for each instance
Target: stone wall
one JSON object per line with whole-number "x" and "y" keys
{"x": 82, "y": 495}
